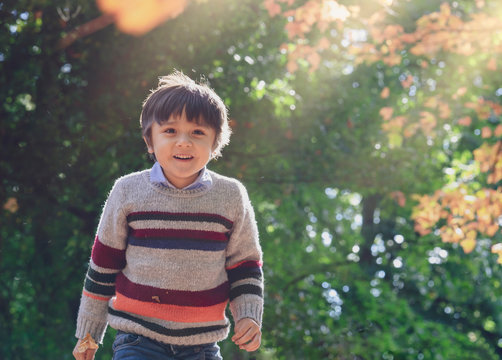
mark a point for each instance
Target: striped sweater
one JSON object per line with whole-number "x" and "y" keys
{"x": 166, "y": 262}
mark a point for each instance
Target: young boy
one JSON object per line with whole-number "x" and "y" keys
{"x": 175, "y": 243}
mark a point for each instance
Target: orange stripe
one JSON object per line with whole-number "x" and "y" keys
{"x": 186, "y": 314}
{"x": 95, "y": 297}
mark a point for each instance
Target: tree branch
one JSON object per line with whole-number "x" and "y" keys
{"x": 86, "y": 29}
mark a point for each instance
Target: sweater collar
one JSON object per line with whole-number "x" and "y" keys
{"x": 157, "y": 177}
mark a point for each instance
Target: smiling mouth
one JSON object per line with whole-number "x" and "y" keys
{"x": 183, "y": 157}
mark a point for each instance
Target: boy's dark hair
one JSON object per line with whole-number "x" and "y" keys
{"x": 177, "y": 93}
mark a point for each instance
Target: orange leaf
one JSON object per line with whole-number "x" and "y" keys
{"x": 486, "y": 132}
{"x": 497, "y": 108}
{"x": 323, "y": 44}
{"x": 136, "y": 17}
{"x": 498, "y": 130}
{"x": 411, "y": 130}
{"x": 11, "y": 205}
{"x": 461, "y": 91}
{"x": 444, "y": 111}
{"x": 292, "y": 66}
{"x": 431, "y": 102}
{"x": 392, "y": 59}
{"x": 272, "y": 7}
{"x": 314, "y": 59}
{"x": 499, "y": 260}
{"x": 386, "y": 112}
{"x": 465, "y": 121}
{"x": 469, "y": 243}
{"x": 492, "y": 229}
{"x": 87, "y": 343}
{"x": 399, "y": 197}
{"x": 385, "y": 93}
{"x": 109, "y": 6}
{"x": 392, "y": 31}
{"x": 492, "y": 65}
{"x": 408, "y": 38}
{"x": 427, "y": 122}
{"x": 497, "y": 248}
{"x": 295, "y": 29}
{"x": 407, "y": 82}
{"x": 445, "y": 9}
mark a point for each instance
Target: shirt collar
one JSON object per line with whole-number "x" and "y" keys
{"x": 157, "y": 177}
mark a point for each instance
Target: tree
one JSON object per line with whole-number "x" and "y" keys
{"x": 331, "y": 155}
{"x": 450, "y": 34}
{"x": 414, "y": 58}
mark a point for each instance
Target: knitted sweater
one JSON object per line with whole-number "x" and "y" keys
{"x": 166, "y": 262}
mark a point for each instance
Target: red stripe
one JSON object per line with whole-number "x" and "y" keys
{"x": 148, "y": 293}
{"x": 107, "y": 257}
{"x": 246, "y": 264}
{"x": 180, "y": 234}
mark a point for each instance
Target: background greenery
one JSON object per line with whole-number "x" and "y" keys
{"x": 347, "y": 277}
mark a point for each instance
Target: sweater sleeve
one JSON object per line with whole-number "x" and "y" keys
{"x": 107, "y": 259}
{"x": 244, "y": 264}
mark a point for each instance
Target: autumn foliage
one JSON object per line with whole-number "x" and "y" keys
{"x": 465, "y": 213}
{"x": 458, "y": 213}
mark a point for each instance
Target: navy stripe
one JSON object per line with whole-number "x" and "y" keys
{"x": 245, "y": 290}
{"x": 105, "y": 290}
{"x": 165, "y": 331}
{"x": 240, "y": 273}
{"x": 101, "y": 277}
{"x": 162, "y": 243}
{"x": 180, "y": 217}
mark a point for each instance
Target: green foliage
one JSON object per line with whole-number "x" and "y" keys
{"x": 346, "y": 276}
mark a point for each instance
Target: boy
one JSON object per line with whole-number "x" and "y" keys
{"x": 175, "y": 243}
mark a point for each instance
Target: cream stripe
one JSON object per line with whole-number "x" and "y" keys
{"x": 184, "y": 225}
{"x": 192, "y": 271}
{"x": 250, "y": 281}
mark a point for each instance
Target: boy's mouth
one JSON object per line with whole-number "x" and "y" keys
{"x": 183, "y": 157}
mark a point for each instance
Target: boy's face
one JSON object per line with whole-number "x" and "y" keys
{"x": 182, "y": 148}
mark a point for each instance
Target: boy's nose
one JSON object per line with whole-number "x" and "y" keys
{"x": 183, "y": 140}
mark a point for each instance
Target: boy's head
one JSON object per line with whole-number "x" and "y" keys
{"x": 178, "y": 95}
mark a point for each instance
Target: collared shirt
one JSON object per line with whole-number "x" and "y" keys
{"x": 157, "y": 177}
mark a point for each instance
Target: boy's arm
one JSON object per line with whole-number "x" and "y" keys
{"x": 107, "y": 259}
{"x": 244, "y": 270}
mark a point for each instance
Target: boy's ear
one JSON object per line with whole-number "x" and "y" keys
{"x": 150, "y": 148}
{"x": 214, "y": 152}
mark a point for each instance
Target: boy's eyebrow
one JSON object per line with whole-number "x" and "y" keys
{"x": 204, "y": 125}
{"x": 172, "y": 121}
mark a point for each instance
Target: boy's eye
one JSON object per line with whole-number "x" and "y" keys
{"x": 169, "y": 131}
{"x": 198, "y": 132}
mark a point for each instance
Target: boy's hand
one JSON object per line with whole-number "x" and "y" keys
{"x": 88, "y": 354}
{"x": 247, "y": 335}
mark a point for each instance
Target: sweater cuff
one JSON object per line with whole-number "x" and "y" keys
{"x": 250, "y": 310}
{"x": 95, "y": 328}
